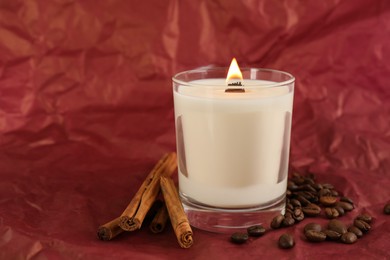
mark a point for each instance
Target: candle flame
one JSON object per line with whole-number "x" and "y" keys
{"x": 234, "y": 71}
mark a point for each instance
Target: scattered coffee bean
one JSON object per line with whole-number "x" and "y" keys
{"x": 363, "y": 226}
{"x": 288, "y": 221}
{"x": 386, "y": 209}
{"x": 277, "y": 221}
{"x": 296, "y": 203}
{"x": 312, "y": 226}
{"x": 365, "y": 217}
{"x": 286, "y": 241}
{"x": 315, "y": 236}
{"x": 328, "y": 186}
{"x": 324, "y": 192}
{"x": 345, "y": 205}
{"x": 349, "y": 238}
{"x": 356, "y": 231}
{"x": 256, "y": 231}
{"x": 331, "y": 213}
{"x": 328, "y": 200}
{"x": 347, "y": 199}
{"x": 340, "y": 210}
{"x": 311, "y": 210}
{"x": 239, "y": 238}
{"x": 302, "y": 200}
{"x": 331, "y": 235}
{"x": 338, "y": 226}
{"x": 298, "y": 214}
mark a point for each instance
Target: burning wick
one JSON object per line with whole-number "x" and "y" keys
{"x": 234, "y": 73}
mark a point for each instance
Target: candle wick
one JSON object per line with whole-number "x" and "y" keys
{"x": 235, "y": 90}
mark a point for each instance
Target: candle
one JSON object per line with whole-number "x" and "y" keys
{"x": 233, "y": 146}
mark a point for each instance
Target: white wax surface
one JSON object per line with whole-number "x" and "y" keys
{"x": 233, "y": 143}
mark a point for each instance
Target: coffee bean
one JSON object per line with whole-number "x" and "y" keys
{"x": 331, "y": 235}
{"x": 365, "y": 217}
{"x": 386, "y": 209}
{"x": 239, "y": 238}
{"x": 311, "y": 210}
{"x": 345, "y": 205}
{"x": 303, "y": 200}
{"x": 328, "y": 186}
{"x": 334, "y": 193}
{"x": 349, "y": 238}
{"x": 298, "y": 214}
{"x": 356, "y": 231}
{"x": 347, "y": 199}
{"x": 296, "y": 203}
{"x": 331, "y": 213}
{"x": 338, "y": 226}
{"x": 363, "y": 226}
{"x": 328, "y": 200}
{"x": 286, "y": 241}
{"x": 277, "y": 221}
{"x": 288, "y": 221}
{"x": 312, "y": 226}
{"x": 315, "y": 236}
{"x": 256, "y": 231}
{"x": 289, "y": 206}
{"x": 324, "y": 192}
{"x": 340, "y": 210}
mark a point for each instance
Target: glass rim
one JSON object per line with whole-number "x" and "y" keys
{"x": 290, "y": 80}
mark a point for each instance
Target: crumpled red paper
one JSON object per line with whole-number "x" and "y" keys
{"x": 86, "y": 110}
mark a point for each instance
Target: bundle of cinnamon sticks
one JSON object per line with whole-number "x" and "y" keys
{"x": 159, "y": 179}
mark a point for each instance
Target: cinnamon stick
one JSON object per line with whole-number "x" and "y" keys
{"x": 134, "y": 214}
{"x": 109, "y": 230}
{"x": 179, "y": 220}
{"x": 160, "y": 220}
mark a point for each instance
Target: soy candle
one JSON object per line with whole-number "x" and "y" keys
{"x": 233, "y": 141}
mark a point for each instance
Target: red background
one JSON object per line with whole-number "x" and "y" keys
{"x": 86, "y": 110}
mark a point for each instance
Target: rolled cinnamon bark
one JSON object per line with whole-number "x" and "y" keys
{"x": 178, "y": 218}
{"x": 134, "y": 214}
{"x": 160, "y": 220}
{"x": 109, "y": 230}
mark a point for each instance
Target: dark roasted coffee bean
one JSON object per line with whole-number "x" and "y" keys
{"x": 328, "y": 200}
{"x": 331, "y": 235}
{"x": 347, "y": 199}
{"x": 289, "y": 206}
{"x": 288, "y": 221}
{"x": 312, "y": 226}
{"x": 337, "y": 225}
{"x": 345, "y": 205}
{"x": 288, "y": 193}
{"x": 311, "y": 210}
{"x": 298, "y": 214}
{"x": 356, "y": 231}
{"x": 365, "y": 217}
{"x": 292, "y": 186}
{"x": 303, "y": 200}
{"x": 386, "y": 209}
{"x": 315, "y": 236}
{"x": 349, "y": 238}
{"x": 331, "y": 213}
{"x": 328, "y": 186}
{"x": 324, "y": 192}
{"x": 334, "y": 193}
{"x": 363, "y": 226}
{"x": 296, "y": 203}
{"x": 239, "y": 238}
{"x": 318, "y": 186}
{"x": 256, "y": 231}
{"x": 286, "y": 241}
{"x": 277, "y": 221}
{"x": 340, "y": 210}
{"x": 307, "y": 187}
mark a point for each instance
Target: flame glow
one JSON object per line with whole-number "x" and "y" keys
{"x": 234, "y": 71}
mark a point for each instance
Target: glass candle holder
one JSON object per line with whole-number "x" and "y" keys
{"x": 232, "y": 146}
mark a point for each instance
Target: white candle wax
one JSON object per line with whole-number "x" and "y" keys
{"x": 233, "y": 145}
